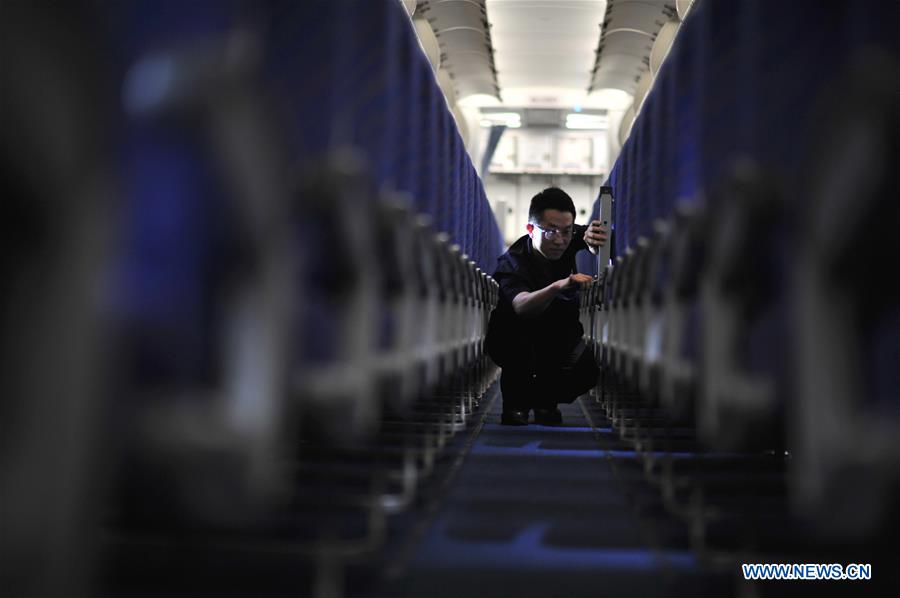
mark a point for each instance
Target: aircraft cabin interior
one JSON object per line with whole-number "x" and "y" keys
{"x": 259, "y": 252}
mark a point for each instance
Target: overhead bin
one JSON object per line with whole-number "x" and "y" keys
{"x": 462, "y": 31}
{"x": 429, "y": 42}
{"x": 637, "y": 14}
{"x": 641, "y": 88}
{"x": 662, "y": 44}
{"x": 618, "y": 71}
{"x": 683, "y": 7}
{"x": 626, "y": 41}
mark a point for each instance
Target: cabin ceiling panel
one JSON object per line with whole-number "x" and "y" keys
{"x": 545, "y": 43}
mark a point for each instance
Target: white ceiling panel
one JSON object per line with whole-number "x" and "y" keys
{"x": 545, "y": 43}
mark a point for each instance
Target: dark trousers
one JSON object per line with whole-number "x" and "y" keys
{"x": 544, "y": 383}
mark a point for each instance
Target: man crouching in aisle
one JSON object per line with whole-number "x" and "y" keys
{"x": 535, "y": 335}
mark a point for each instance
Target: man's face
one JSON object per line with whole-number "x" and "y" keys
{"x": 552, "y": 234}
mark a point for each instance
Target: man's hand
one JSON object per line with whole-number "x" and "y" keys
{"x": 582, "y": 281}
{"x": 595, "y": 236}
{"x": 530, "y": 304}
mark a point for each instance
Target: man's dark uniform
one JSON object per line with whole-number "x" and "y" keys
{"x": 544, "y": 360}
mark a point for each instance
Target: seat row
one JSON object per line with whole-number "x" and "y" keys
{"x": 389, "y": 376}
{"x": 734, "y": 333}
{"x": 747, "y": 301}
{"x": 261, "y": 300}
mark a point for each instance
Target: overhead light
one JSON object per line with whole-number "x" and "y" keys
{"x": 586, "y": 121}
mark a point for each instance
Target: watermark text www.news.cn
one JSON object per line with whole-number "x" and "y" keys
{"x": 807, "y": 571}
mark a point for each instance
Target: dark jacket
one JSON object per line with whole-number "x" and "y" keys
{"x": 546, "y": 338}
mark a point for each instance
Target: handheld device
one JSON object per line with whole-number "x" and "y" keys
{"x": 606, "y": 219}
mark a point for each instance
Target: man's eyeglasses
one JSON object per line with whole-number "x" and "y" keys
{"x": 552, "y": 233}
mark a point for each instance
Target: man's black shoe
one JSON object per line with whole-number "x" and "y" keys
{"x": 514, "y": 418}
{"x": 548, "y": 417}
